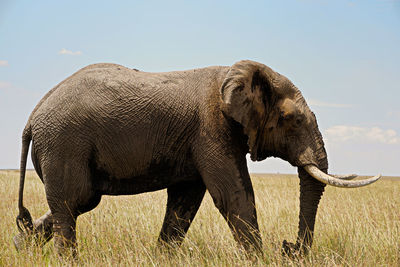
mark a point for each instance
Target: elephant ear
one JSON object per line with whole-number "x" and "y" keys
{"x": 247, "y": 93}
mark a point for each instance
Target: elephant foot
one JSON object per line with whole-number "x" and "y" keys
{"x": 293, "y": 250}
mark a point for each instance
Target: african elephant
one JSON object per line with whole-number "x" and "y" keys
{"x": 111, "y": 130}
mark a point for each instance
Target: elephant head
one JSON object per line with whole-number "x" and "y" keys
{"x": 278, "y": 123}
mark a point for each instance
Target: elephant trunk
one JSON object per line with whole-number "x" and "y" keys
{"x": 311, "y": 191}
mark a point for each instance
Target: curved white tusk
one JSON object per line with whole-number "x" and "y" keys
{"x": 344, "y": 176}
{"x": 327, "y": 179}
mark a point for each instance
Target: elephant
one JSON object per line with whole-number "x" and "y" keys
{"x": 111, "y": 130}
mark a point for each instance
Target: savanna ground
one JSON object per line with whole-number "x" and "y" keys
{"x": 354, "y": 227}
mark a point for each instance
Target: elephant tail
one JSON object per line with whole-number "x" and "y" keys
{"x": 24, "y": 217}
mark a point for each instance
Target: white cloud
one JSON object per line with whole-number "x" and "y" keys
{"x": 318, "y": 103}
{"x": 69, "y": 52}
{"x": 3, "y": 63}
{"x": 344, "y": 133}
{"x": 4, "y": 84}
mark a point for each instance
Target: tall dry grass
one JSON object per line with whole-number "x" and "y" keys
{"x": 355, "y": 227}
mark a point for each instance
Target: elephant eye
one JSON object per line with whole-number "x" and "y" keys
{"x": 285, "y": 116}
{"x": 298, "y": 121}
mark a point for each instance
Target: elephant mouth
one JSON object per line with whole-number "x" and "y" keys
{"x": 261, "y": 157}
{"x": 259, "y": 154}
{"x": 257, "y": 157}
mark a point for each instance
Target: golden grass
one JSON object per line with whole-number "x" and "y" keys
{"x": 355, "y": 227}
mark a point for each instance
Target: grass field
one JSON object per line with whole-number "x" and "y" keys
{"x": 354, "y": 227}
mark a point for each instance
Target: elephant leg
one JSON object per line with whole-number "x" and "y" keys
{"x": 41, "y": 234}
{"x": 311, "y": 191}
{"x": 237, "y": 206}
{"x": 184, "y": 200}
{"x": 228, "y": 181}
{"x": 69, "y": 193}
{"x": 65, "y": 233}
{"x": 44, "y": 228}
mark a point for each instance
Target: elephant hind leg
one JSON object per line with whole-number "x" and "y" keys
{"x": 64, "y": 228}
{"x": 69, "y": 193}
{"x": 184, "y": 200}
{"x": 44, "y": 228}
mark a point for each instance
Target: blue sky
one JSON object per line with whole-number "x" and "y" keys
{"x": 343, "y": 55}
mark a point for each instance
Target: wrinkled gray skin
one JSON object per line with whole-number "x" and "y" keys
{"x": 110, "y": 130}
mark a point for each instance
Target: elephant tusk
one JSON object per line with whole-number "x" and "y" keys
{"x": 344, "y": 176}
{"x": 330, "y": 180}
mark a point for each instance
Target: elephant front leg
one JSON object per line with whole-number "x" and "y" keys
{"x": 237, "y": 206}
{"x": 223, "y": 168}
{"x": 184, "y": 200}
{"x": 311, "y": 191}
{"x": 229, "y": 184}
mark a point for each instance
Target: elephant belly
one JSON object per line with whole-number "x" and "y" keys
{"x": 131, "y": 186}
{"x": 156, "y": 178}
